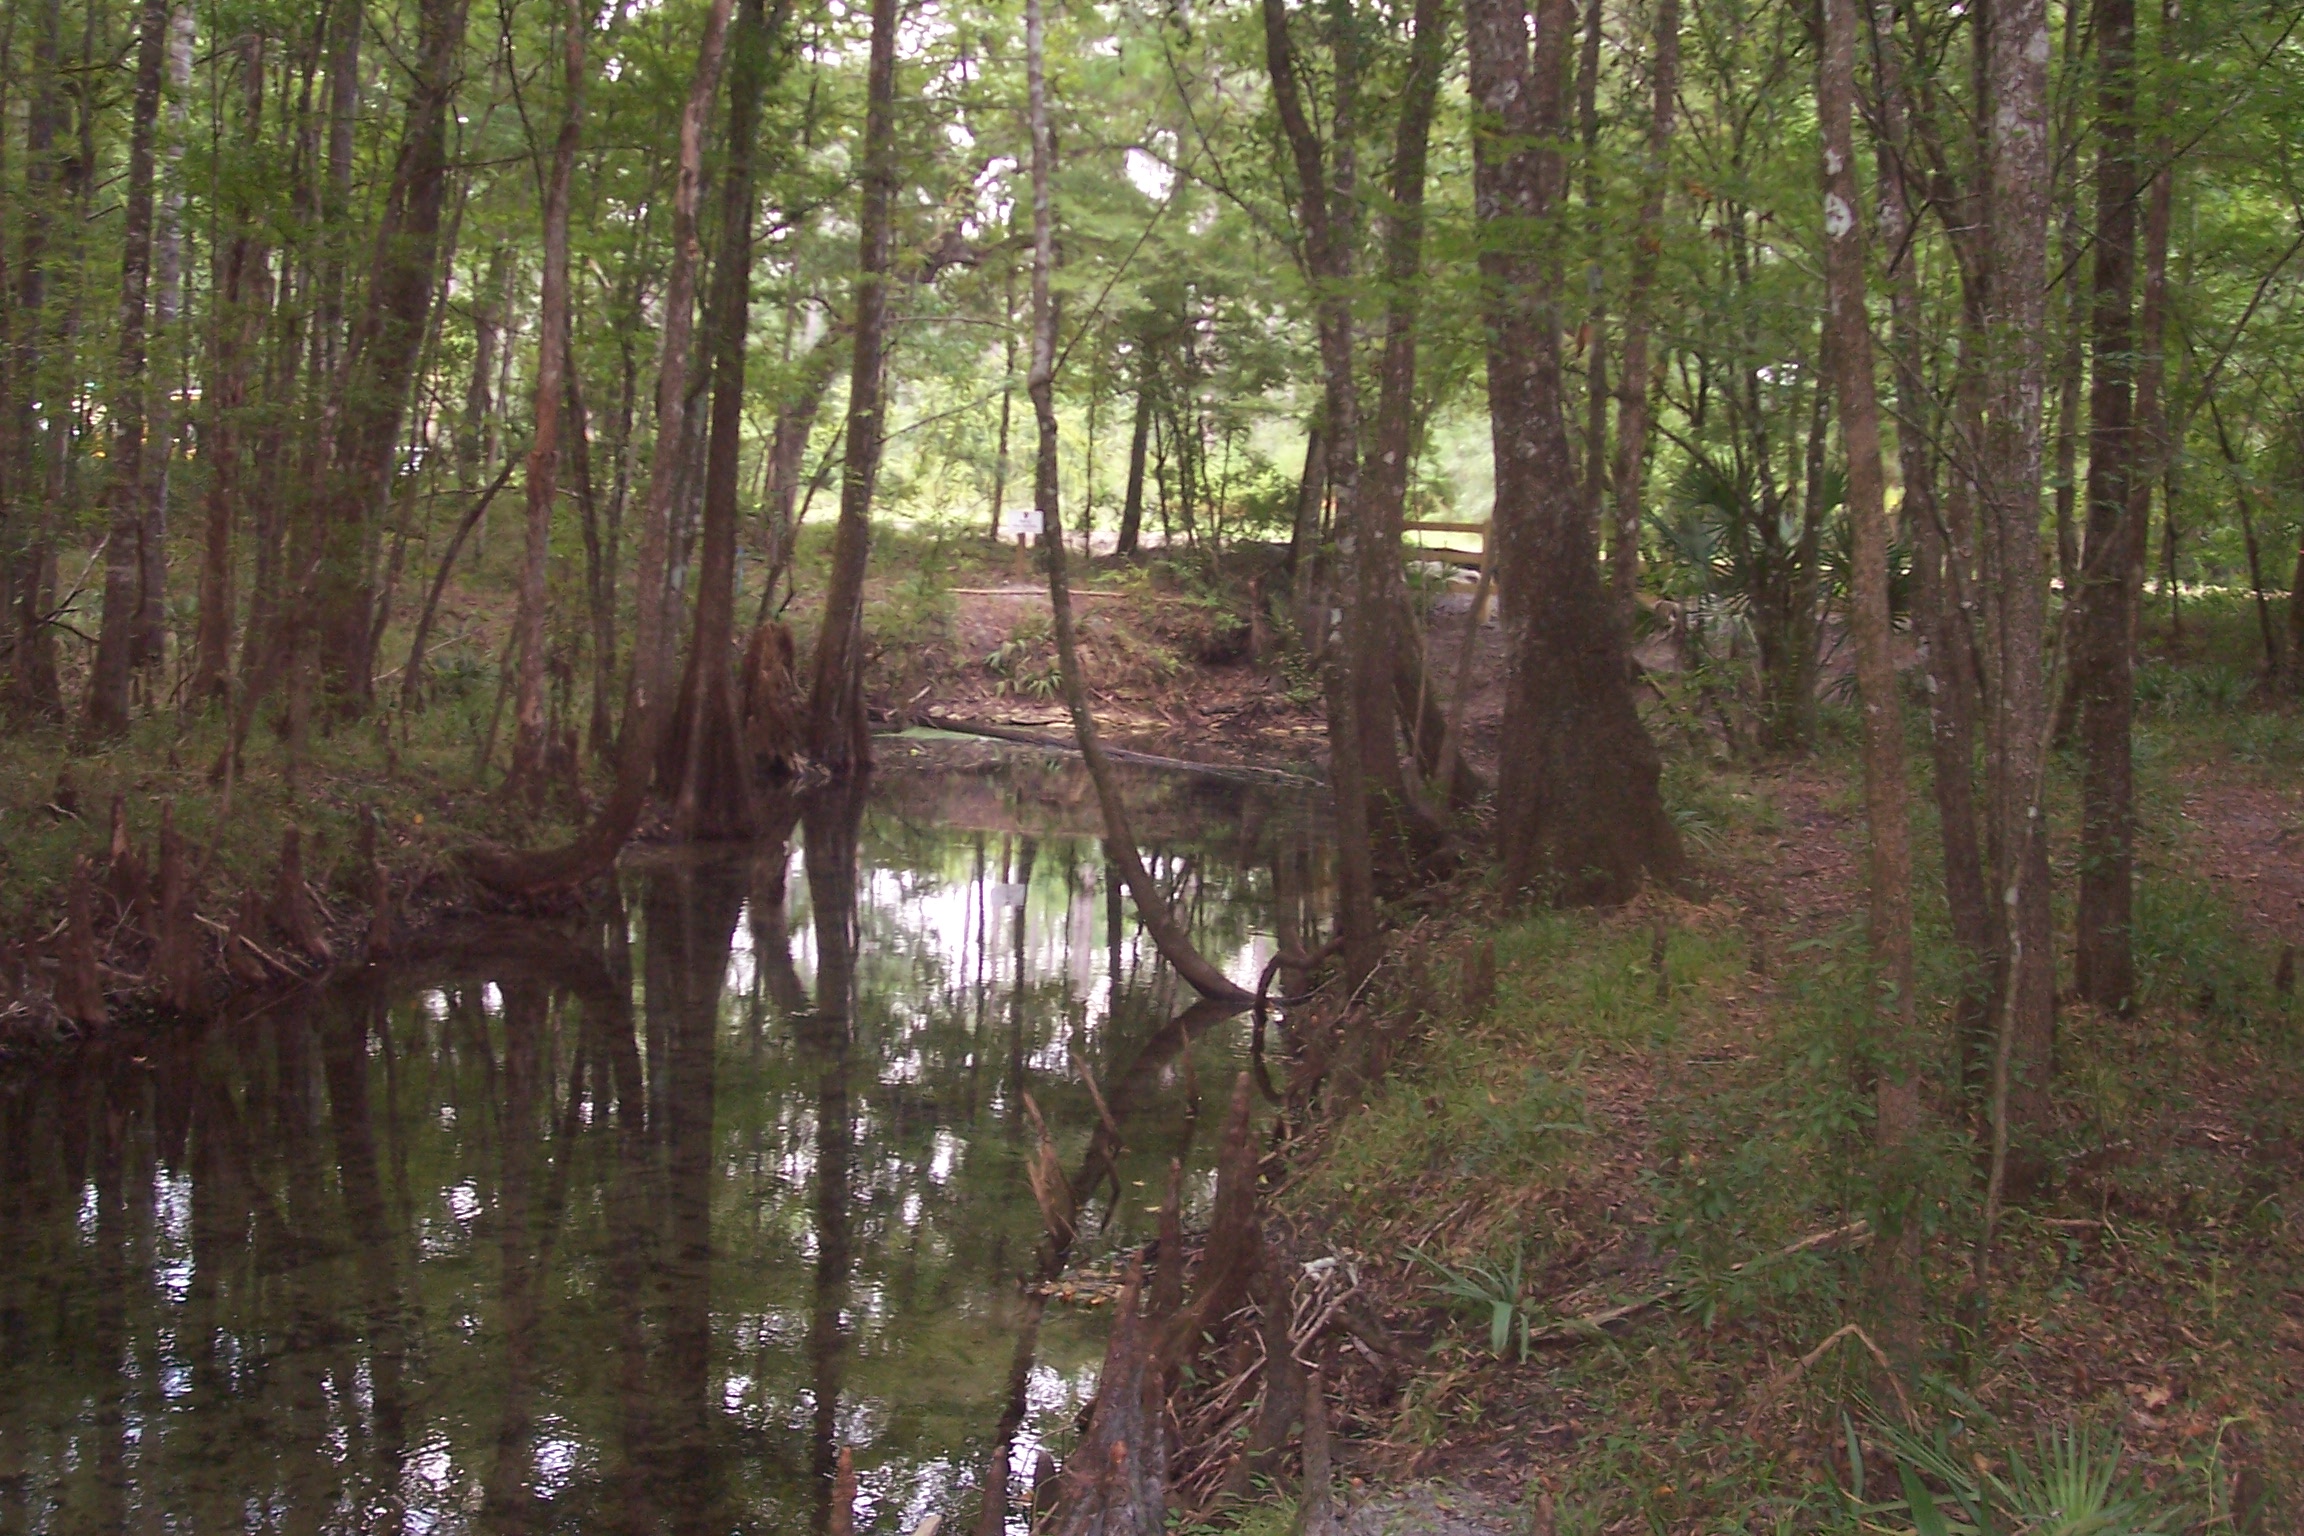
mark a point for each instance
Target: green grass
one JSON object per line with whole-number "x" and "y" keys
{"x": 1591, "y": 1135}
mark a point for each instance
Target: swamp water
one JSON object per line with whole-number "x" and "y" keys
{"x": 627, "y": 1224}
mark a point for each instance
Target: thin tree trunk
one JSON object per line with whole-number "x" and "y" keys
{"x": 787, "y": 458}
{"x": 1159, "y": 919}
{"x": 1939, "y": 580}
{"x": 151, "y": 643}
{"x": 40, "y": 367}
{"x": 383, "y": 352}
{"x": 1386, "y": 476}
{"x": 2069, "y": 371}
{"x": 472, "y": 436}
{"x": 107, "y": 705}
{"x": 1596, "y": 290}
{"x": 2240, "y": 500}
{"x": 235, "y": 311}
{"x": 1581, "y": 816}
{"x": 1648, "y": 240}
{"x": 527, "y": 775}
{"x": 1350, "y": 677}
{"x": 2019, "y": 190}
{"x": 1007, "y": 401}
{"x": 836, "y": 725}
{"x": 1139, "y": 436}
{"x": 2103, "y": 970}
{"x": 707, "y": 767}
{"x": 1896, "y": 1049}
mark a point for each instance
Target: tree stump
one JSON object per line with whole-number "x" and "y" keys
{"x": 79, "y": 980}
{"x": 175, "y": 946}
{"x": 294, "y": 914}
{"x": 131, "y": 884}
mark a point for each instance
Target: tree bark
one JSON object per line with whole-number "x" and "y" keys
{"x": 836, "y": 724}
{"x": 107, "y": 705}
{"x": 2103, "y": 970}
{"x": 1895, "y": 1045}
{"x": 49, "y": 341}
{"x": 1580, "y": 814}
{"x": 1940, "y": 577}
{"x": 1350, "y": 677}
{"x": 1007, "y": 402}
{"x": 1139, "y": 436}
{"x": 707, "y": 767}
{"x": 527, "y": 775}
{"x": 1393, "y": 448}
{"x": 474, "y": 440}
{"x": 1647, "y": 247}
{"x": 235, "y": 310}
{"x": 2018, "y": 193}
{"x": 383, "y": 349}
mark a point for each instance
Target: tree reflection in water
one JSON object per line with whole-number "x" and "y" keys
{"x": 474, "y": 1243}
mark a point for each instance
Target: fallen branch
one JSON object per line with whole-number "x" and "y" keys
{"x": 1772, "y": 1392}
{"x": 1578, "y": 1330}
{"x": 1247, "y": 771}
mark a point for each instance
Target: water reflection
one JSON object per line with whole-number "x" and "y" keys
{"x": 626, "y": 1224}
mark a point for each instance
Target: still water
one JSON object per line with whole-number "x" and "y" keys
{"x": 628, "y": 1223}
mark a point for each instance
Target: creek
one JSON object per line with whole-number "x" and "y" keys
{"x": 629, "y": 1222}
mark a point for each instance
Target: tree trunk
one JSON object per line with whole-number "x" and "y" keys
{"x": 383, "y": 350}
{"x": 1596, "y": 289}
{"x": 2069, "y": 371}
{"x": 1385, "y": 479}
{"x": 151, "y": 643}
{"x": 1352, "y": 680}
{"x": 1581, "y": 817}
{"x": 594, "y": 850}
{"x": 235, "y": 310}
{"x": 836, "y": 725}
{"x": 1940, "y": 579}
{"x": 38, "y": 370}
{"x": 707, "y": 767}
{"x": 527, "y": 775}
{"x": 2103, "y": 969}
{"x": 1173, "y": 942}
{"x": 1007, "y": 402}
{"x": 107, "y": 705}
{"x": 1139, "y": 436}
{"x": 1895, "y": 1054}
{"x": 528, "y": 731}
{"x": 787, "y": 454}
{"x": 472, "y": 435}
{"x": 1648, "y": 240}
{"x": 2018, "y": 198}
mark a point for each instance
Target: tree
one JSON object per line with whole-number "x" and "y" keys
{"x": 1580, "y": 812}
{"x": 528, "y": 744}
{"x": 836, "y": 725}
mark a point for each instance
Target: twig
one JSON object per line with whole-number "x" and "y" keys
{"x": 1782, "y": 1381}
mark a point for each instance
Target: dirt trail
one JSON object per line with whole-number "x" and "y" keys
{"x": 2247, "y": 835}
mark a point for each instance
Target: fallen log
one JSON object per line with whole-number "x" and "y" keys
{"x": 1248, "y": 772}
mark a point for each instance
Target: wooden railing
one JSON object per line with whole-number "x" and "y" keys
{"x": 1476, "y": 559}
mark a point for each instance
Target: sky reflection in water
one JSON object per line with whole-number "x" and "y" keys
{"x": 626, "y": 1224}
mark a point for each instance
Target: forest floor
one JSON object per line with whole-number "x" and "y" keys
{"x": 1657, "y": 1102}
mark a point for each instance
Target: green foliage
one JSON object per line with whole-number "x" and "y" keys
{"x": 1493, "y": 1293}
{"x": 2071, "y": 1485}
